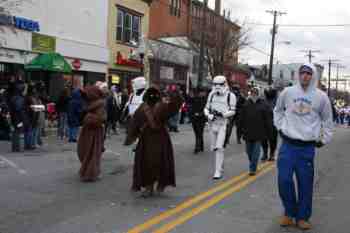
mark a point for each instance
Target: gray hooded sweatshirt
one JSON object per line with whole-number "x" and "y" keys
{"x": 304, "y": 115}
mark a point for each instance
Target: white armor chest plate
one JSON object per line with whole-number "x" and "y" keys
{"x": 219, "y": 103}
{"x": 135, "y": 102}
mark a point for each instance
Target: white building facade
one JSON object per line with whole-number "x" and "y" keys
{"x": 75, "y": 29}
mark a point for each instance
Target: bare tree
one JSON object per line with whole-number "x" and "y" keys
{"x": 229, "y": 39}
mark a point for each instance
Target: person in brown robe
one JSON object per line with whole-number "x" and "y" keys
{"x": 90, "y": 143}
{"x": 154, "y": 158}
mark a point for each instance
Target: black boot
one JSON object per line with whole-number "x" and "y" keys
{"x": 264, "y": 158}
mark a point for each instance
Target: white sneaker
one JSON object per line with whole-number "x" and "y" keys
{"x": 217, "y": 175}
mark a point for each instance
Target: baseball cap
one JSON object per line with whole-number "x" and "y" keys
{"x": 306, "y": 69}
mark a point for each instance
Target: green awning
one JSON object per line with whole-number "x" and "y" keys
{"x": 53, "y": 62}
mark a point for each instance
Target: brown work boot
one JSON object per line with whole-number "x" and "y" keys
{"x": 304, "y": 225}
{"x": 286, "y": 221}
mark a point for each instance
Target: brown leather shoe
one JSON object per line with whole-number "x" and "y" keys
{"x": 286, "y": 221}
{"x": 304, "y": 225}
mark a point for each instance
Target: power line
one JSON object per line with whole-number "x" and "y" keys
{"x": 259, "y": 50}
{"x": 300, "y": 25}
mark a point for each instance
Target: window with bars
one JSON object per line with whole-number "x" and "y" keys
{"x": 175, "y": 7}
{"x": 128, "y": 27}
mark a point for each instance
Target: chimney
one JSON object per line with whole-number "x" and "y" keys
{"x": 218, "y": 6}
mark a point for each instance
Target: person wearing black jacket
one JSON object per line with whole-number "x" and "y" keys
{"x": 62, "y": 107}
{"x": 271, "y": 142}
{"x": 31, "y": 125}
{"x": 234, "y": 120}
{"x": 5, "y": 128}
{"x": 256, "y": 126}
{"x": 17, "y": 114}
{"x": 196, "y": 111}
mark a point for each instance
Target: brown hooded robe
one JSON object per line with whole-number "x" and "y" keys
{"x": 154, "y": 159}
{"x": 90, "y": 144}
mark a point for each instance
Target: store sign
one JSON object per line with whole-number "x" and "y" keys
{"x": 127, "y": 62}
{"x": 166, "y": 72}
{"x": 115, "y": 79}
{"x": 19, "y": 22}
{"x": 43, "y": 43}
{"x": 76, "y": 64}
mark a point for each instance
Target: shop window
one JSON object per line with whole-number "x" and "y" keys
{"x": 128, "y": 27}
{"x": 120, "y": 22}
{"x": 136, "y": 28}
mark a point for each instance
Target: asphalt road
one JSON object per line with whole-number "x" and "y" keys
{"x": 41, "y": 193}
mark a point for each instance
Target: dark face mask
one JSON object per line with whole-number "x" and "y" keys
{"x": 153, "y": 99}
{"x": 139, "y": 92}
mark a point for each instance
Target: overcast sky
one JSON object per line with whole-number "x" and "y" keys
{"x": 334, "y": 42}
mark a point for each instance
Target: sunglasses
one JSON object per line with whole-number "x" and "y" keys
{"x": 219, "y": 84}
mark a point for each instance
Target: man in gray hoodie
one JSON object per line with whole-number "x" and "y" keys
{"x": 303, "y": 116}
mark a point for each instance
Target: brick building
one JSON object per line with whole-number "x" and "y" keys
{"x": 216, "y": 28}
{"x": 169, "y": 18}
{"x": 184, "y": 18}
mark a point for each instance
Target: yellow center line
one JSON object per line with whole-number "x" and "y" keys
{"x": 190, "y": 202}
{"x": 214, "y": 200}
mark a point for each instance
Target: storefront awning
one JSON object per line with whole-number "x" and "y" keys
{"x": 53, "y": 62}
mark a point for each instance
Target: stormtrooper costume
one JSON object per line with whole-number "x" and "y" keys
{"x": 136, "y": 99}
{"x": 221, "y": 105}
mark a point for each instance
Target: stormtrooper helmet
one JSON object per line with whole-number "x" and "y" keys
{"x": 219, "y": 84}
{"x": 138, "y": 83}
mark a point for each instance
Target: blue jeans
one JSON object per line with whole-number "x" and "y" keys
{"x": 62, "y": 125}
{"x": 36, "y": 139}
{"x": 28, "y": 137}
{"x": 299, "y": 160}
{"x": 173, "y": 121}
{"x": 253, "y": 150}
{"x": 73, "y": 134}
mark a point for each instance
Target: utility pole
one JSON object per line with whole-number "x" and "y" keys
{"x": 330, "y": 63}
{"x": 339, "y": 66}
{"x": 310, "y": 53}
{"x": 274, "y": 31}
{"x": 201, "y": 53}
